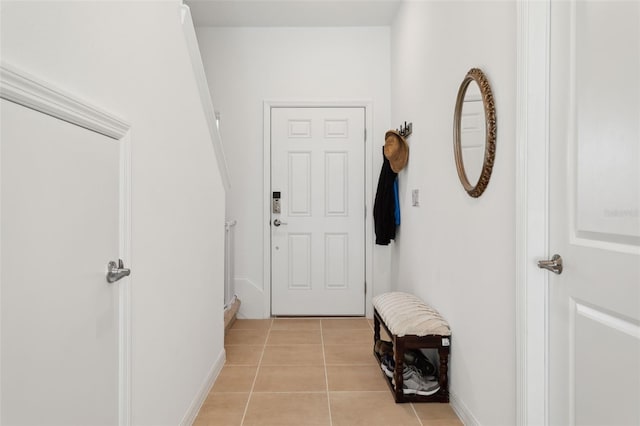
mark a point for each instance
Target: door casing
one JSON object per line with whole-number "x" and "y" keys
{"x": 266, "y": 212}
{"x": 532, "y": 211}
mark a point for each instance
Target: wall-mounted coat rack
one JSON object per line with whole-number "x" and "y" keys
{"x": 405, "y": 129}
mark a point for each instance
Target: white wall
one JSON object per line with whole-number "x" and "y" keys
{"x": 131, "y": 58}
{"x": 245, "y": 67}
{"x": 454, "y": 251}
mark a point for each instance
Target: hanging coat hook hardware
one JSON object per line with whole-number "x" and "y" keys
{"x": 405, "y": 129}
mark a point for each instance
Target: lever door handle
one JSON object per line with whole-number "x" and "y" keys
{"x": 554, "y": 265}
{"x": 116, "y": 271}
{"x": 278, "y": 222}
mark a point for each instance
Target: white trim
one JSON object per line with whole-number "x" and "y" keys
{"x": 370, "y": 177}
{"x": 205, "y": 388}
{"x": 571, "y": 374}
{"x": 462, "y": 411}
{"x": 266, "y": 209}
{"x": 576, "y": 240}
{"x": 205, "y": 94}
{"x": 368, "y": 107}
{"x": 126, "y": 345}
{"x": 532, "y": 213}
{"x": 608, "y": 320}
{"x": 1, "y": 381}
{"x": 26, "y": 90}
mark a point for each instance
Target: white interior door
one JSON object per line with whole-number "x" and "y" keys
{"x": 60, "y": 227}
{"x": 595, "y": 213}
{"x": 318, "y": 238}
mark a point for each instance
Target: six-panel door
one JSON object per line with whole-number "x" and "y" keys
{"x": 318, "y": 250}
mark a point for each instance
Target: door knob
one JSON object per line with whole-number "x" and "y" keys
{"x": 277, "y": 222}
{"x": 554, "y": 265}
{"x": 116, "y": 271}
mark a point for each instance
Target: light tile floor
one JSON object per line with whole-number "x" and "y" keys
{"x": 307, "y": 372}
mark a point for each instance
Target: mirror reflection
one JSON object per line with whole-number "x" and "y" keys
{"x": 472, "y": 133}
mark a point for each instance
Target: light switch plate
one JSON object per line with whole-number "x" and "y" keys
{"x": 415, "y": 197}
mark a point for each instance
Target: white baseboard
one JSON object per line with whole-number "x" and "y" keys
{"x": 201, "y": 396}
{"x": 462, "y": 411}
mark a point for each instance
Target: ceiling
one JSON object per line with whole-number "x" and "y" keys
{"x": 292, "y": 13}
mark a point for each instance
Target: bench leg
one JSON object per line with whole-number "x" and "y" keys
{"x": 376, "y": 327}
{"x": 398, "y": 355}
{"x": 443, "y": 354}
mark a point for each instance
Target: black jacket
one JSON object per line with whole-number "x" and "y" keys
{"x": 384, "y": 205}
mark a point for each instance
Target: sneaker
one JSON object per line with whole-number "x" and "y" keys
{"x": 388, "y": 365}
{"x": 413, "y": 383}
{"x": 418, "y": 360}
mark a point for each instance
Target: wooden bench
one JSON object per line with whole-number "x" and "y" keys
{"x": 412, "y": 324}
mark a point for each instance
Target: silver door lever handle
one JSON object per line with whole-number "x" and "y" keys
{"x": 554, "y": 265}
{"x": 116, "y": 271}
{"x": 277, "y": 222}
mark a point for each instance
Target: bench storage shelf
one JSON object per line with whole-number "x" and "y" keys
{"x": 412, "y": 325}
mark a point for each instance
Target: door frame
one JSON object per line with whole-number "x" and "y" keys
{"x": 532, "y": 211}
{"x": 31, "y": 92}
{"x": 266, "y": 153}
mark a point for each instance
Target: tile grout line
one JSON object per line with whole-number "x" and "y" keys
{"x": 413, "y": 407}
{"x": 326, "y": 375}
{"x": 255, "y": 378}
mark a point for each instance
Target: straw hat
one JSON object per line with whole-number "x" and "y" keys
{"x": 396, "y": 150}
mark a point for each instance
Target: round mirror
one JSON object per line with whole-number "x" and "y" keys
{"x": 474, "y": 132}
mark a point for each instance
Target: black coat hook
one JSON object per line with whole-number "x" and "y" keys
{"x": 405, "y": 129}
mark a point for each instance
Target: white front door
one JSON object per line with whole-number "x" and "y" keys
{"x": 594, "y": 304}
{"x": 60, "y": 227}
{"x": 318, "y": 238}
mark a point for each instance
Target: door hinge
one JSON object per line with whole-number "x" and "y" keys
{"x": 365, "y": 211}
{"x": 365, "y": 288}
{"x": 365, "y": 135}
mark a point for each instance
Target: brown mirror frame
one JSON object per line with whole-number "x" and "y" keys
{"x": 475, "y": 190}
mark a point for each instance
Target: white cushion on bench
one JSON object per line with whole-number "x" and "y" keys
{"x": 405, "y": 314}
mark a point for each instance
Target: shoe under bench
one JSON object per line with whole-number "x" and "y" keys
{"x": 403, "y": 343}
